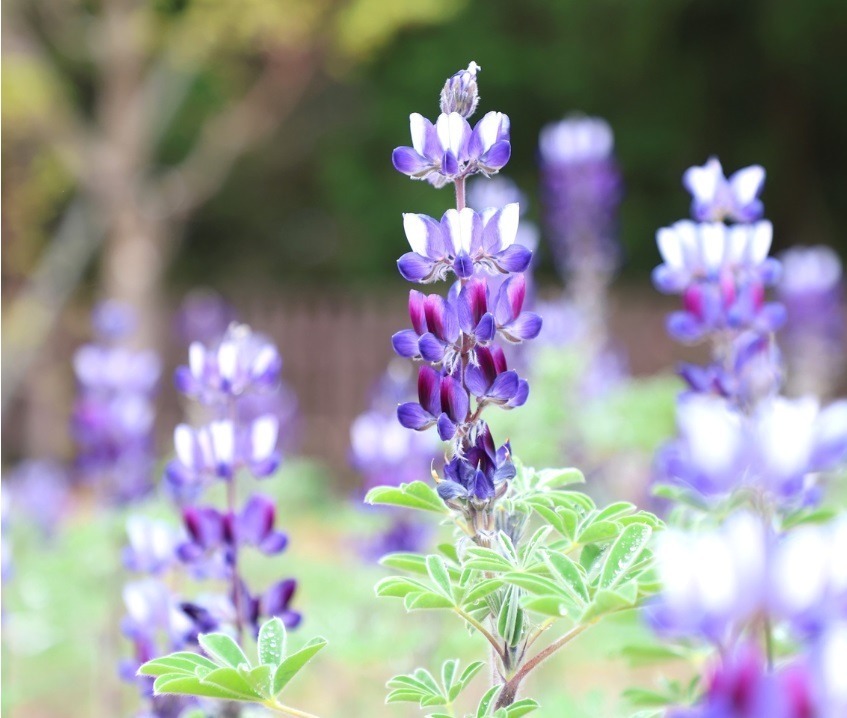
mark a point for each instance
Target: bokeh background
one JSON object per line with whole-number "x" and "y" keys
{"x": 153, "y": 147}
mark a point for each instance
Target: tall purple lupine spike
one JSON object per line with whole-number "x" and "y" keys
{"x": 463, "y": 371}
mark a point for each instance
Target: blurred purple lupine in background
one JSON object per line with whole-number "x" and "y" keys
{"x": 812, "y": 290}
{"x": 38, "y": 490}
{"x": 114, "y": 413}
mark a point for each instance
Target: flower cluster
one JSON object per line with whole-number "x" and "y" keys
{"x": 463, "y": 368}
{"x": 113, "y": 416}
{"x": 735, "y": 432}
{"x": 582, "y": 188}
{"x": 231, "y": 442}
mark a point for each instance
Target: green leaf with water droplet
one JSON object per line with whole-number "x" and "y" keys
{"x": 624, "y": 553}
{"x": 272, "y": 642}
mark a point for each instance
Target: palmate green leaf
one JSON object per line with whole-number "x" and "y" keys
{"x": 414, "y": 563}
{"x": 486, "y": 559}
{"x": 182, "y": 662}
{"x": 416, "y": 495}
{"x": 398, "y": 586}
{"x": 624, "y": 553}
{"x": 538, "y": 585}
{"x": 639, "y": 655}
{"x": 616, "y": 510}
{"x": 223, "y": 649}
{"x": 231, "y": 679}
{"x": 481, "y": 590}
{"x": 681, "y": 495}
{"x": 552, "y": 606}
{"x": 487, "y": 701}
{"x": 563, "y": 520}
{"x": 510, "y": 620}
{"x": 610, "y": 601}
{"x": 272, "y": 642}
{"x": 597, "y": 531}
{"x": 463, "y": 680}
{"x": 292, "y": 664}
{"x": 569, "y": 575}
{"x": 259, "y": 679}
{"x": 521, "y": 708}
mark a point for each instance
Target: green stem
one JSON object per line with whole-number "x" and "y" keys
{"x": 275, "y": 705}
{"x": 483, "y": 630}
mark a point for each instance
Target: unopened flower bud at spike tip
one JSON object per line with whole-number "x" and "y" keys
{"x": 460, "y": 93}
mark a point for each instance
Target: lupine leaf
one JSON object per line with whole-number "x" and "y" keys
{"x": 643, "y": 654}
{"x": 510, "y": 618}
{"x": 427, "y": 599}
{"x": 416, "y": 495}
{"x": 464, "y": 679}
{"x": 598, "y": 531}
{"x": 449, "y": 550}
{"x": 407, "y": 682}
{"x": 259, "y": 678}
{"x": 398, "y": 586}
{"x": 529, "y": 549}
{"x": 534, "y": 584}
{"x": 293, "y": 663}
{"x": 272, "y": 642}
{"x": 571, "y": 499}
{"x": 624, "y": 553}
{"x": 175, "y": 663}
{"x": 545, "y": 605}
{"x": 680, "y": 495}
{"x": 231, "y": 680}
{"x": 521, "y": 708}
{"x": 615, "y": 510}
{"x": 607, "y": 601}
{"x": 554, "y": 478}
{"x": 403, "y": 696}
{"x": 188, "y": 686}
{"x": 645, "y": 697}
{"x": 482, "y": 589}
{"x": 486, "y": 559}
{"x": 486, "y": 700}
{"x": 448, "y": 673}
{"x": 223, "y": 649}
{"x": 438, "y": 573}
{"x": 570, "y": 574}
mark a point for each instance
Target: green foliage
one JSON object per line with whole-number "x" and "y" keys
{"x": 422, "y": 688}
{"x": 416, "y": 495}
{"x": 227, "y": 673}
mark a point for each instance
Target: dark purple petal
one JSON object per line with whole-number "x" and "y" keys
{"x": 274, "y": 543}
{"x": 487, "y": 365}
{"x": 475, "y": 381}
{"x": 454, "y": 399}
{"x": 266, "y": 467}
{"x": 431, "y": 348}
{"x": 184, "y": 381}
{"x": 497, "y": 157}
{"x": 463, "y": 265}
{"x": 416, "y": 311}
{"x": 504, "y": 472}
{"x": 256, "y": 519}
{"x": 405, "y": 343}
{"x": 450, "y": 490}
{"x": 521, "y": 395}
{"x": 515, "y": 258}
{"x": 483, "y": 487}
{"x": 276, "y": 599}
{"x": 415, "y": 268}
{"x": 446, "y": 428}
{"x": 441, "y": 318}
{"x": 486, "y": 328}
{"x": 413, "y": 416}
{"x": 409, "y": 162}
{"x": 504, "y": 387}
{"x": 429, "y": 389}
{"x": 290, "y": 619}
{"x": 449, "y": 164}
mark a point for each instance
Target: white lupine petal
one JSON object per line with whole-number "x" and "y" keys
{"x": 746, "y": 183}
{"x": 838, "y": 551}
{"x": 717, "y": 582}
{"x": 712, "y": 244}
{"x": 810, "y": 269}
{"x": 416, "y": 232}
{"x": 451, "y": 132}
{"x": 228, "y": 360}
{"x": 465, "y": 225}
{"x": 833, "y": 659}
{"x": 703, "y": 182}
{"x": 761, "y": 237}
{"x": 196, "y": 359}
{"x": 712, "y": 432}
{"x": 263, "y": 437}
{"x": 184, "y": 444}
{"x": 737, "y": 240}
{"x": 689, "y": 243}
{"x": 508, "y": 224}
{"x": 223, "y": 441}
{"x": 489, "y": 129}
{"x": 786, "y": 434}
{"x": 801, "y": 568}
{"x": 451, "y": 217}
{"x": 670, "y": 248}
{"x": 417, "y": 125}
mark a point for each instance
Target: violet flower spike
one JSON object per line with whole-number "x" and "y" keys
{"x": 716, "y": 198}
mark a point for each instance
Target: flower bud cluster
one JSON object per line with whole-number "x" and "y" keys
{"x": 456, "y": 338}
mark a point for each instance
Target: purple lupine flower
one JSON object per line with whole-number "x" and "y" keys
{"x": 435, "y": 330}
{"x": 481, "y": 475}
{"x": 442, "y": 402}
{"x": 221, "y": 449}
{"x": 716, "y": 198}
{"x": 113, "y": 415}
{"x": 463, "y": 241}
{"x": 460, "y": 93}
{"x": 152, "y": 545}
{"x": 274, "y": 602}
{"x": 711, "y": 581}
{"x": 449, "y": 150}
{"x": 582, "y": 189}
{"x": 742, "y": 686}
{"x": 492, "y": 382}
{"x": 779, "y": 449}
{"x": 721, "y": 273}
{"x": 514, "y": 324}
{"x": 242, "y": 362}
